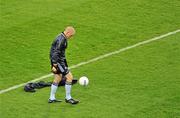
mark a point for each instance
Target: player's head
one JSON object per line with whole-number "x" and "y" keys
{"x": 69, "y": 32}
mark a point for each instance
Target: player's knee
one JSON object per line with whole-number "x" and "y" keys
{"x": 56, "y": 81}
{"x": 57, "y": 78}
{"x": 69, "y": 77}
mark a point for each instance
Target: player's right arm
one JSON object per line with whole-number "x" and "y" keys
{"x": 57, "y": 53}
{"x": 58, "y": 47}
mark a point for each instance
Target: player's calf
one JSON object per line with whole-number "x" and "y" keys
{"x": 54, "y": 86}
{"x": 68, "y": 86}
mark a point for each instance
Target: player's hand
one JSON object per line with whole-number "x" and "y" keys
{"x": 54, "y": 70}
{"x": 55, "y": 65}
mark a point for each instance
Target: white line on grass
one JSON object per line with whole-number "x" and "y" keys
{"x": 95, "y": 59}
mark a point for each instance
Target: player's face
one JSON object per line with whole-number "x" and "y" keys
{"x": 70, "y": 34}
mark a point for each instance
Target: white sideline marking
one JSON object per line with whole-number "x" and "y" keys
{"x": 95, "y": 59}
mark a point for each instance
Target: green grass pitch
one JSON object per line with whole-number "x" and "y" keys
{"x": 143, "y": 82}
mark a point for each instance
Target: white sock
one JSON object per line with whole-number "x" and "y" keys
{"x": 54, "y": 87}
{"x": 68, "y": 91}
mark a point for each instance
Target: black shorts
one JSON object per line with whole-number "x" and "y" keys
{"x": 61, "y": 68}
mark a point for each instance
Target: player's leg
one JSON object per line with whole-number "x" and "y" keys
{"x": 68, "y": 86}
{"x": 69, "y": 77}
{"x": 54, "y": 86}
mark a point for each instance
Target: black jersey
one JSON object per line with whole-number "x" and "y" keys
{"x": 57, "y": 52}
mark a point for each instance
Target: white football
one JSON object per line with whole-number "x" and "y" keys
{"x": 84, "y": 81}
